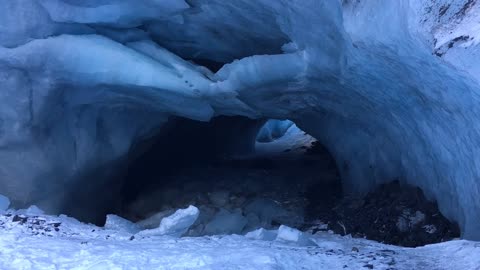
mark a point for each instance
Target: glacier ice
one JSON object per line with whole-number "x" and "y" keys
{"x": 175, "y": 225}
{"x": 282, "y": 234}
{"x": 288, "y": 234}
{"x": 31, "y": 210}
{"x": 262, "y": 234}
{"x": 273, "y": 129}
{"x": 117, "y": 223}
{"x": 83, "y": 82}
{"x": 4, "y": 203}
{"x": 226, "y": 222}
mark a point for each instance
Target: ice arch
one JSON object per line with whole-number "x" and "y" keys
{"x": 84, "y": 81}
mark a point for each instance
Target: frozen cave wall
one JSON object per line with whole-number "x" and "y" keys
{"x": 379, "y": 83}
{"x": 180, "y": 143}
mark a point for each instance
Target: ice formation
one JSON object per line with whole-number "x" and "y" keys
{"x": 4, "y": 203}
{"x": 391, "y": 88}
{"x": 273, "y": 129}
{"x": 176, "y": 224}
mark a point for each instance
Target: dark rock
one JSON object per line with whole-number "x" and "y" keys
{"x": 393, "y": 214}
{"x": 20, "y": 219}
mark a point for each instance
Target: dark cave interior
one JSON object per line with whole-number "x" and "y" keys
{"x": 216, "y": 166}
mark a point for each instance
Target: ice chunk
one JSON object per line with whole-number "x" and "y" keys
{"x": 225, "y": 222}
{"x": 176, "y": 224}
{"x": 117, "y": 223}
{"x": 4, "y": 203}
{"x": 273, "y": 130}
{"x": 154, "y": 220}
{"x": 268, "y": 210}
{"x": 262, "y": 234}
{"x": 288, "y": 234}
{"x": 31, "y": 211}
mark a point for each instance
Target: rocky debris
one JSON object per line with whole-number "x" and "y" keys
{"x": 256, "y": 193}
{"x": 442, "y": 50}
{"x": 219, "y": 198}
{"x": 238, "y": 196}
{"x": 392, "y": 214}
{"x": 35, "y": 225}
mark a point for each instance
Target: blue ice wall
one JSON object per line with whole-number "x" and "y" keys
{"x": 81, "y": 82}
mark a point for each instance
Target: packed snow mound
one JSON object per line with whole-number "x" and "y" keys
{"x": 388, "y": 88}
{"x": 60, "y": 242}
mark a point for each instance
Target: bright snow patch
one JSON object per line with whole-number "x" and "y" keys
{"x": 51, "y": 242}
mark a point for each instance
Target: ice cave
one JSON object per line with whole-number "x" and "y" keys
{"x": 299, "y": 129}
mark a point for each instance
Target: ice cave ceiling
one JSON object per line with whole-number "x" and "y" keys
{"x": 391, "y": 88}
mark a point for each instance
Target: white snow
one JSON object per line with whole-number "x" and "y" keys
{"x": 36, "y": 245}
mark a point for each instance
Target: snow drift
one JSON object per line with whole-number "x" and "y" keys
{"x": 82, "y": 82}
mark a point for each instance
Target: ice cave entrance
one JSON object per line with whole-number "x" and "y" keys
{"x": 245, "y": 174}
{"x": 242, "y": 174}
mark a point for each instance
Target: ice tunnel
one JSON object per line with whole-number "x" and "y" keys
{"x": 89, "y": 87}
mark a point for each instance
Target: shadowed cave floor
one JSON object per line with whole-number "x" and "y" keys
{"x": 298, "y": 187}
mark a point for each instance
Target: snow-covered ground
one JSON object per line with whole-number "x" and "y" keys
{"x": 37, "y": 241}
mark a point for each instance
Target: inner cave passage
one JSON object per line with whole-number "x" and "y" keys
{"x": 245, "y": 174}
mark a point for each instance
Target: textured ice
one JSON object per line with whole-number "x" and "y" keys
{"x": 117, "y": 223}
{"x": 154, "y": 220}
{"x": 273, "y": 129}
{"x": 31, "y": 210}
{"x": 288, "y": 234}
{"x": 116, "y": 13}
{"x": 176, "y": 224}
{"x": 262, "y": 234}
{"x": 4, "y": 203}
{"x": 391, "y": 88}
{"x": 226, "y": 222}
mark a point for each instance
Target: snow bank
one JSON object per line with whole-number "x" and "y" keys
{"x": 50, "y": 242}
